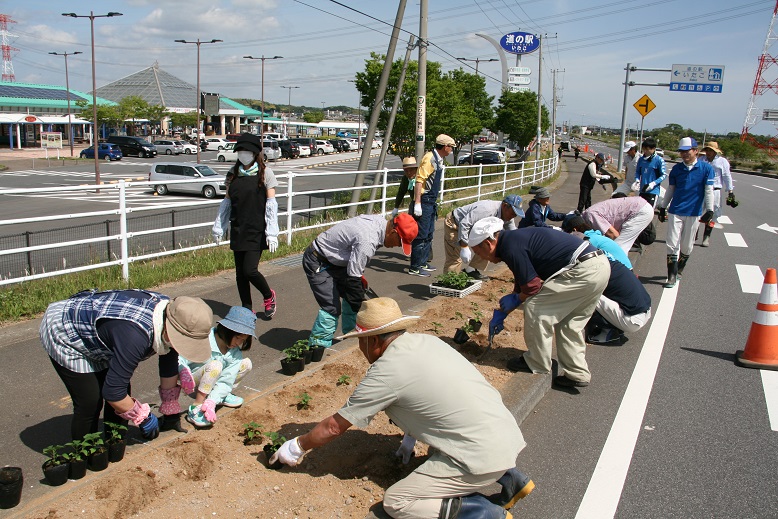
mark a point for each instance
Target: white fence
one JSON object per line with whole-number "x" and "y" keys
{"x": 459, "y": 184}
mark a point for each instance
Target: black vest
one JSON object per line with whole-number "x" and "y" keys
{"x": 586, "y": 179}
{"x": 247, "y": 214}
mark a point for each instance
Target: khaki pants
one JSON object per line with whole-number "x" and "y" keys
{"x": 560, "y": 312}
{"x": 451, "y": 244}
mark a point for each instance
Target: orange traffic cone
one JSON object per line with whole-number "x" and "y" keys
{"x": 762, "y": 345}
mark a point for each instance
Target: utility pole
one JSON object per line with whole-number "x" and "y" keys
{"x": 421, "y": 96}
{"x": 553, "y": 109}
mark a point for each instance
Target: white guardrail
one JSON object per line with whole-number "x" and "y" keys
{"x": 457, "y": 186}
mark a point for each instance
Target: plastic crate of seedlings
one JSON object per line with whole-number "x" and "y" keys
{"x": 454, "y": 284}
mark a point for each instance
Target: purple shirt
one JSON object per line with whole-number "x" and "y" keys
{"x": 613, "y": 212}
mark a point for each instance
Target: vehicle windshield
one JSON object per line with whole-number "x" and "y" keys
{"x": 205, "y": 171}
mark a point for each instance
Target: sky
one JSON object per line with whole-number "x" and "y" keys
{"x": 325, "y": 42}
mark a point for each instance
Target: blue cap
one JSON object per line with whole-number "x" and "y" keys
{"x": 687, "y": 143}
{"x": 240, "y": 320}
{"x": 515, "y": 202}
{"x": 600, "y": 156}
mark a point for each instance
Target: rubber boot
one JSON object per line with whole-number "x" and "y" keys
{"x": 474, "y": 506}
{"x": 323, "y": 329}
{"x": 515, "y": 485}
{"x": 705, "y": 237}
{"x": 672, "y": 270}
{"x": 682, "y": 259}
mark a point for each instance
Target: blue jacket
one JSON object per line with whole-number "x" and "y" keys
{"x": 649, "y": 170}
{"x": 536, "y": 215}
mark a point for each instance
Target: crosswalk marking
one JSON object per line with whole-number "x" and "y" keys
{"x": 765, "y": 188}
{"x": 751, "y": 278}
{"x": 724, "y": 219}
{"x": 735, "y": 239}
{"x": 770, "y": 385}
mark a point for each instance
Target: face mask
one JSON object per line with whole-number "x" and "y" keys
{"x": 245, "y": 157}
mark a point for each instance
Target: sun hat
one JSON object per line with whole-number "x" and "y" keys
{"x": 188, "y": 325}
{"x": 444, "y": 140}
{"x": 407, "y": 229}
{"x": 629, "y": 145}
{"x": 515, "y": 202}
{"x": 240, "y": 320}
{"x": 713, "y": 145}
{"x": 483, "y": 229}
{"x": 379, "y": 315}
{"x": 687, "y": 143}
{"x": 542, "y": 192}
{"x": 249, "y": 142}
{"x": 409, "y": 162}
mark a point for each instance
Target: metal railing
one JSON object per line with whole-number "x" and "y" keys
{"x": 125, "y": 234}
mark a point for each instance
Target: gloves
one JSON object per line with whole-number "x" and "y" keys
{"x": 636, "y": 186}
{"x": 496, "y": 324}
{"x": 706, "y": 217}
{"x": 605, "y": 178}
{"x": 137, "y": 414}
{"x": 510, "y": 302}
{"x": 209, "y": 410}
{"x": 417, "y": 210}
{"x": 186, "y": 379}
{"x": 149, "y": 428}
{"x": 466, "y": 255}
{"x": 272, "y": 243}
{"x": 169, "y": 398}
{"x": 222, "y": 220}
{"x": 662, "y": 214}
{"x": 406, "y": 448}
{"x": 364, "y": 283}
{"x": 650, "y": 186}
{"x": 289, "y": 453}
{"x": 394, "y": 212}
{"x": 271, "y": 218}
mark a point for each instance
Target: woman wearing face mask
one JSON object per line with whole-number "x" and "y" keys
{"x": 253, "y": 216}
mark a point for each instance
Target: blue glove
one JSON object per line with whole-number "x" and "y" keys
{"x": 510, "y": 302}
{"x": 496, "y": 324}
{"x": 150, "y": 427}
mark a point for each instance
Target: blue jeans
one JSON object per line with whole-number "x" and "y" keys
{"x": 421, "y": 246}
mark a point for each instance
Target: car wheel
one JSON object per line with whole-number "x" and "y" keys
{"x": 188, "y": 151}
{"x": 221, "y": 158}
{"x": 142, "y": 155}
{"x": 320, "y": 152}
{"x": 83, "y": 156}
{"x": 108, "y": 158}
{"x": 209, "y": 192}
{"x": 160, "y": 189}
{"x": 168, "y": 152}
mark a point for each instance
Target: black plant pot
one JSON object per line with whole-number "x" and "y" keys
{"x": 116, "y": 451}
{"x": 290, "y": 367}
{"x": 460, "y": 336}
{"x": 269, "y": 454}
{"x": 307, "y": 356}
{"x": 301, "y": 364}
{"x": 11, "y": 484}
{"x": 317, "y": 353}
{"x": 77, "y": 469}
{"x": 476, "y": 325}
{"x": 98, "y": 461}
{"x": 56, "y": 475}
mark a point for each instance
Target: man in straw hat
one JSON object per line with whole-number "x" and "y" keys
{"x": 410, "y": 168}
{"x": 434, "y": 394}
{"x": 560, "y": 279}
{"x": 723, "y": 179}
{"x": 335, "y": 266}
{"x": 458, "y": 224}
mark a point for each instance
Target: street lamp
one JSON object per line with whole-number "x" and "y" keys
{"x": 67, "y": 87}
{"x": 289, "y": 102}
{"x": 477, "y": 61}
{"x": 359, "y": 113}
{"x": 197, "y": 102}
{"x": 262, "y": 93}
{"x": 92, "y": 17}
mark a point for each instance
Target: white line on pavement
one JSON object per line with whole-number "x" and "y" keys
{"x": 735, "y": 239}
{"x": 724, "y": 219}
{"x": 605, "y": 487}
{"x": 751, "y": 278}
{"x": 770, "y": 385}
{"x": 765, "y": 188}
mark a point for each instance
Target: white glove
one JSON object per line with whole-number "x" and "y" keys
{"x": 394, "y": 212}
{"x": 406, "y": 448}
{"x": 417, "y": 210}
{"x": 605, "y": 177}
{"x": 650, "y": 186}
{"x": 636, "y": 186}
{"x": 465, "y": 254}
{"x": 289, "y": 453}
{"x": 272, "y": 243}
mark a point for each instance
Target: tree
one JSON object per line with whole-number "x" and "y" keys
{"x": 315, "y": 116}
{"x": 156, "y": 113}
{"x": 517, "y": 116}
{"x": 107, "y": 115}
{"x": 187, "y": 120}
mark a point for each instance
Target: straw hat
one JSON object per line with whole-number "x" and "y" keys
{"x": 713, "y": 145}
{"x": 380, "y": 315}
{"x": 409, "y": 162}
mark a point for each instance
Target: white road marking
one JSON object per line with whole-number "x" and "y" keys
{"x": 751, "y": 278}
{"x": 765, "y": 188}
{"x": 768, "y": 228}
{"x": 724, "y": 219}
{"x": 770, "y": 385}
{"x": 605, "y": 487}
{"x": 735, "y": 239}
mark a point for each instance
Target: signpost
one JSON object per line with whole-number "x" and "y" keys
{"x": 519, "y": 71}
{"x": 697, "y": 78}
{"x": 514, "y": 88}
{"x": 644, "y": 105}
{"x": 518, "y": 80}
{"x": 520, "y": 42}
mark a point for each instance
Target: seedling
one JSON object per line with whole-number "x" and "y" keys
{"x": 301, "y": 345}
{"x": 467, "y": 328}
{"x": 55, "y": 457}
{"x": 455, "y": 280}
{"x": 294, "y": 352}
{"x": 114, "y": 432}
{"x": 251, "y": 431}
{"x": 93, "y": 443}
{"x": 437, "y": 327}
{"x": 78, "y": 451}
{"x": 477, "y": 314}
{"x": 344, "y": 380}
{"x": 276, "y": 440}
{"x": 303, "y": 401}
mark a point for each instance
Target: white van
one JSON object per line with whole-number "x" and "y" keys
{"x": 272, "y": 135}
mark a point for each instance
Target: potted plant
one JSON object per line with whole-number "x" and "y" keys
{"x": 477, "y": 318}
{"x": 114, "y": 437}
{"x": 11, "y": 483}
{"x": 294, "y": 361}
{"x": 454, "y": 284}
{"x": 276, "y": 440}
{"x": 252, "y": 433}
{"x": 97, "y": 459}
{"x": 305, "y": 348}
{"x": 463, "y": 333}
{"x": 56, "y": 467}
{"x": 76, "y": 459}
{"x": 317, "y": 352}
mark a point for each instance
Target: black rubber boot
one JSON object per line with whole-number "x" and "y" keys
{"x": 682, "y": 259}
{"x": 705, "y": 237}
{"x": 171, "y": 422}
{"x": 672, "y": 271}
{"x": 474, "y": 506}
{"x": 515, "y": 485}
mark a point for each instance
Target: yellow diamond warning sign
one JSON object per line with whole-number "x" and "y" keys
{"x": 644, "y": 105}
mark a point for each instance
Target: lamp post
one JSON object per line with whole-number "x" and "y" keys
{"x": 92, "y": 17}
{"x": 359, "y": 114}
{"x": 262, "y": 93}
{"x": 67, "y": 87}
{"x": 477, "y": 61}
{"x": 289, "y": 102}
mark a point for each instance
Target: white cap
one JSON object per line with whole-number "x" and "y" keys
{"x": 629, "y": 145}
{"x": 483, "y": 229}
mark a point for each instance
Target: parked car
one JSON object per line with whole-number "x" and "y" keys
{"x": 660, "y": 152}
{"x": 168, "y": 147}
{"x": 133, "y": 145}
{"x": 204, "y": 180}
{"x": 345, "y": 134}
{"x": 273, "y": 135}
{"x": 215, "y": 143}
{"x": 228, "y": 153}
{"x": 289, "y": 149}
{"x": 323, "y": 147}
{"x": 565, "y": 145}
{"x": 502, "y": 150}
{"x": 105, "y": 151}
{"x": 340, "y": 145}
{"x": 305, "y": 151}
{"x": 270, "y": 151}
{"x": 306, "y": 141}
{"x": 188, "y": 147}
{"x": 482, "y": 157}
{"x": 352, "y": 144}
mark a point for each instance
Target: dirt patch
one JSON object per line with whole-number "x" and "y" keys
{"x": 212, "y": 473}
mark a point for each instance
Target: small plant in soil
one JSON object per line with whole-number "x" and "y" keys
{"x": 276, "y": 440}
{"x": 56, "y": 466}
{"x": 93, "y": 443}
{"x": 114, "y": 433}
{"x": 54, "y": 456}
{"x": 477, "y": 314}
{"x": 78, "y": 451}
{"x": 343, "y": 380}
{"x": 467, "y": 327}
{"x": 304, "y": 401}
{"x": 437, "y": 327}
{"x": 294, "y": 352}
{"x": 455, "y": 280}
{"x": 252, "y": 432}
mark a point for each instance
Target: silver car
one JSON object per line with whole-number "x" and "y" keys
{"x": 168, "y": 177}
{"x": 168, "y": 147}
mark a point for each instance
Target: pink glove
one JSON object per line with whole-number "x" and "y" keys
{"x": 169, "y": 398}
{"x": 187, "y": 379}
{"x": 137, "y": 414}
{"x": 209, "y": 410}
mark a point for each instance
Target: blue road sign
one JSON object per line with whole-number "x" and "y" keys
{"x": 520, "y": 42}
{"x": 697, "y": 78}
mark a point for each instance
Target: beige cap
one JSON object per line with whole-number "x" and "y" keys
{"x": 410, "y": 162}
{"x": 444, "y": 140}
{"x": 188, "y": 325}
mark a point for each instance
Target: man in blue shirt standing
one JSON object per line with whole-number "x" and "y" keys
{"x": 689, "y": 195}
{"x": 650, "y": 171}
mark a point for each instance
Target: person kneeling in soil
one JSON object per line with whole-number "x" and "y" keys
{"x": 216, "y": 378}
{"x": 434, "y": 394}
